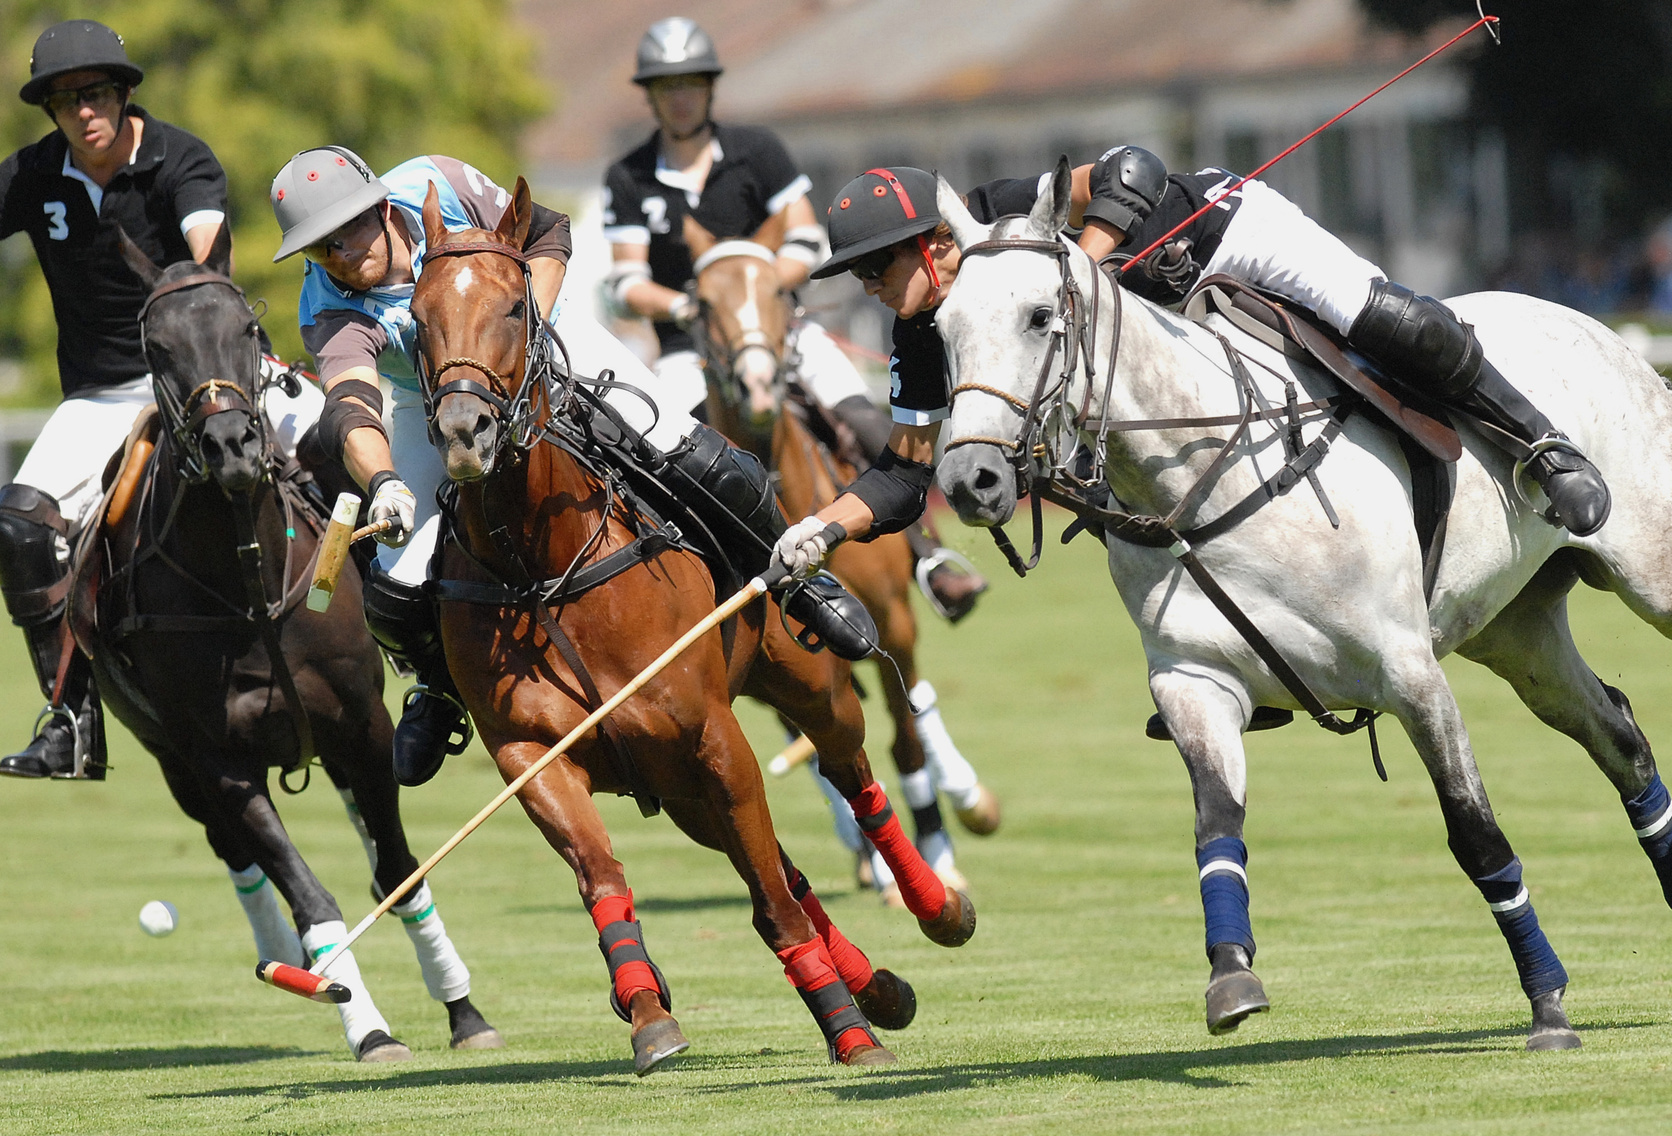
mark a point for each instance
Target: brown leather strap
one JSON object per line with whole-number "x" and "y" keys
{"x": 249, "y": 560}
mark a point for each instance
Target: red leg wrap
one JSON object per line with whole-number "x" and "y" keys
{"x": 612, "y": 909}
{"x": 922, "y": 890}
{"x": 850, "y": 961}
{"x": 632, "y": 975}
{"x": 813, "y": 974}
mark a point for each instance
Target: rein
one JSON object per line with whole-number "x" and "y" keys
{"x": 1073, "y": 335}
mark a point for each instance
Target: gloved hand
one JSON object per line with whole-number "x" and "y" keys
{"x": 683, "y": 311}
{"x": 802, "y": 548}
{"x": 392, "y": 501}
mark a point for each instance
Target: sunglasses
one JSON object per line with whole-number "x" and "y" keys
{"x": 872, "y": 265}
{"x": 337, "y": 240}
{"x": 105, "y": 93}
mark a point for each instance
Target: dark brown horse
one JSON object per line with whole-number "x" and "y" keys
{"x": 533, "y": 647}
{"x": 743, "y": 328}
{"x": 188, "y": 603}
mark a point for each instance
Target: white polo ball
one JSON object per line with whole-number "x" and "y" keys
{"x": 158, "y": 917}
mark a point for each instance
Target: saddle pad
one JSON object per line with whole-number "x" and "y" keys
{"x": 1294, "y": 331}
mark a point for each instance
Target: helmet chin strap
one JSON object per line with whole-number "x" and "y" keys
{"x": 706, "y": 123}
{"x": 389, "y": 245}
{"x": 929, "y": 263}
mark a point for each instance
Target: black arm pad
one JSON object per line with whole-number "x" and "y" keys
{"x": 896, "y": 491}
{"x": 340, "y": 415}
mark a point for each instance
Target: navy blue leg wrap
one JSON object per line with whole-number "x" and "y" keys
{"x": 1535, "y": 960}
{"x": 1651, "y": 816}
{"x": 1223, "y": 863}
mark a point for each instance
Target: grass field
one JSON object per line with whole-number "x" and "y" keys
{"x": 1076, "y": 1008}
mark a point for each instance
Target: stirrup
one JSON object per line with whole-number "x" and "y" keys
{"x": 937, "y": 559}
{"x": 1549, "y": 443}
{"x": 78, "y": 762}
{"x": 423, "y": 690}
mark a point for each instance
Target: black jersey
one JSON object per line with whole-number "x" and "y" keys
{"x": 1185, "y": 194}
{"x": 752, "y": 180}
{"x": 174, "y": 182}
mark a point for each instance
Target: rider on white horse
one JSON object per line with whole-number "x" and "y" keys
{"x": 363, "y": 237}
{"x": 732, "y": 180}
{"x": 886, "y": 229}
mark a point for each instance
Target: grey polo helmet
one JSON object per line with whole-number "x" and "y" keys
{"x": 76, "y": 45}
{"x": 878, "y": 208}
{"x": 317, "y": 191}
{"x": 675, "y": 46}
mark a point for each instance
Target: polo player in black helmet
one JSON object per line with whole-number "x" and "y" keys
{"x": 886, "y": 229}
{"x": 106, "y": 163}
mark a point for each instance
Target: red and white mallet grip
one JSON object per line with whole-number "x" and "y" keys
{"x": 303, "y": 982}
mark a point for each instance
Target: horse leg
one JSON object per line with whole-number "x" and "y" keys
{"x": 1530, "y": 646}
{"x": 736, "y": 801}
{"x": 885, "y": 998}
{"x": 817, "y": 695}
{"x": 1425, "y": 706}
{"x": 317, "y": 915}
{"x": 871, "y": 871}
{"x": 559, "y": 802}
{"x": 366, "y": 784}
{"x": 1206, "y": 720}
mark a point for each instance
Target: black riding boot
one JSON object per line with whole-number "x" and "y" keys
{"x": 35, "y": 579}
{"x": 1424, "y": 344}
{"x": 433, "y": 725}
{"x": 948, "y": 581}
{"x": 729, "y": 489}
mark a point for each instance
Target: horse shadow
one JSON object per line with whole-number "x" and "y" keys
{"x": 129, "y": 1060}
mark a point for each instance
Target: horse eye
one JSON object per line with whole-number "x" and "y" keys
{"x": 517, "y": 310}
{"x": 1040, "y": 319}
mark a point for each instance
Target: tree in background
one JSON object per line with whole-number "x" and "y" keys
{"x": 1582, "y": 93}
{"x": 259, "y": 80}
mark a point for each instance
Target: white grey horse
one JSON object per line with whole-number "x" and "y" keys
{"x": 1345, "y": 607}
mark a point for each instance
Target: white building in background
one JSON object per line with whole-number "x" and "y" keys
{"x": 987, "y": 88}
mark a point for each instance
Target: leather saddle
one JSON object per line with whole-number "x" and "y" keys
{"x": 121, "y": 481}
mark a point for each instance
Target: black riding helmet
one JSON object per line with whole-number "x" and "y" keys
{"x": 76, "y": 45}
{"x": 878, "y": 208}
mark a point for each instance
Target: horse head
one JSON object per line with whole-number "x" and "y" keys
{"x": 474, "y": 309}
{"x": 744, "y": 317}
{"x": 203, "y": 345}
{"x": 998, "y": 321}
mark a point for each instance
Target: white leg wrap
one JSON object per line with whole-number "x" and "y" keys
{"x": 359, "y": 1013}
{"x": 445, "y": 975}
{"x": 359, "y": 823}
{"x": 953, "y": 775}
{"x": 275, "y": 938}
{"x": 936, "y": 849}
{"x": 847, "y": 829}
{"x": 881, "y": 873}
{"x": 918, "y": 788}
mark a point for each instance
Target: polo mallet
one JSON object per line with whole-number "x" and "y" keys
{"x": 798, "y": 752}
{"x": 310, "y": 983}
{"x": 340, "y": 534}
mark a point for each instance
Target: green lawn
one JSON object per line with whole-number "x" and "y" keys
{"x": 1076, "y": 1008}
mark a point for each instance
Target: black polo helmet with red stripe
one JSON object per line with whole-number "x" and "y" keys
{"x": 878, "y": 208}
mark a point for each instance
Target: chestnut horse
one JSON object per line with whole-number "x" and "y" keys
{"x": 189, "y": 606}
{"x": 742, "y": 334}
{"x": 533, "y": 511}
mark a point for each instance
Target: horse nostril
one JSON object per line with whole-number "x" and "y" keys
{"x": 484, "y": 423}
{"x": 986, "y": 479}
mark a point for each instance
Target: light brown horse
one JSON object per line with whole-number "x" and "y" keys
{"x": 529, "y": 665}
{"x": 742, "y": 335}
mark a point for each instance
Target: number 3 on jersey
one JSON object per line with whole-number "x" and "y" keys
{"x": 56, "y": 211}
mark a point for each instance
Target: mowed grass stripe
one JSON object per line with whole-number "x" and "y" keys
{"x": 1076, "y": 1008}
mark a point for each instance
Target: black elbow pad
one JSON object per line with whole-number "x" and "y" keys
{"x": 896, "y": 491}
{"x": 340, "y": 415}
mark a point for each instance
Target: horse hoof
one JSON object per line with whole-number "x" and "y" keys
{"x": 484, "y": 1039}
{"x": 869, "y": 1055}
{"x": 981, "y": 818}
{"x": 1542, "y": 1040}
{"x": 888, "y": 1001}
{"x": 891, "y": 896}
{"x": 1231, "y": 998}
{"x": 862, "y": 874}
{"x": 655, "y": 1043}
{"x": 379, "y": 1046}
{"x": 956, "y": 922}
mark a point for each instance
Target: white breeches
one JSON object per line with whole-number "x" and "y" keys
{"x": 1271, "y": 244}
{"x": 591, "y": 350}
{"x": 70, "y": 453}
{"x": 826, "y": 373}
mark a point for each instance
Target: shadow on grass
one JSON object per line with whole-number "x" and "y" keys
{"x": 1208, "y": 1068}
{"x": 123, "y": 1060}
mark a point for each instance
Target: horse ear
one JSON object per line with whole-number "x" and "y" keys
{"x": 434, "y": 231}
{"x": 1050, "y": 213}
{"x": 771, "y": 233}
{"x": 966, "y": 230}
{"x": 698, "y": 239}
{"x": 513, "y": 224}
{"x": 143, "y": 266}
{"x": 219, "y": 257}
